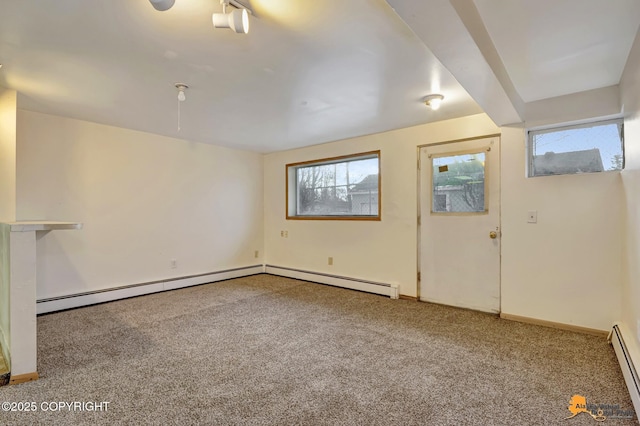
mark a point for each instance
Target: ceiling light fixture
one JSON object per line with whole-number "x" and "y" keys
{"x": 433, "y": 101}
{"x": 181, "y": 88}
{"x": 181, "y": 98}
{"x": 162, "y": 5}
{"x": 237, "y": 20}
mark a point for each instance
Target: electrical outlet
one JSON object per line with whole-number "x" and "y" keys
{"x": 282, "y": 233}
{"x": 174, "y": 263}
{"x": 330, "y": 260}
{"x": 256, "y": 254}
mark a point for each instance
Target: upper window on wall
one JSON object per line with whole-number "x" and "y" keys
{"x": 584, "y": 148}
{"x": 335, "y": 188}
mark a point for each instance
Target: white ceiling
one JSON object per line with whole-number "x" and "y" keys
{"x": 309, "y": 71}
{"x": 552, "y": 48}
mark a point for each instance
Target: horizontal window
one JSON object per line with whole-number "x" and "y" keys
{"x": 585, "y": 148}
{"x": 335, "y": 188}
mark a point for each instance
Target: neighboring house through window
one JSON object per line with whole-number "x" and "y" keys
{"x": 584, "y": 148}
{"x": 364, "y": 196}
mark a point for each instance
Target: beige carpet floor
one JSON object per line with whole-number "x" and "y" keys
{"x": 266, "y": 350}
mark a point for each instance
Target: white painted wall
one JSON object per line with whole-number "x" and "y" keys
{"x": 566, "y": 267}
{"x": 5, "y": 313}
{"x": 23, "y": 341}
{"x": 574, "y": 107}
{"x": 382, "y": 251}
{"x": 8, "y": 107}
{"x": 630, "y": 94}
{"x": 143, "y": 199}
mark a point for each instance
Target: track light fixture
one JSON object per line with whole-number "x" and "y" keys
{"x": 433, "y": 101}
{"x": 237, "y": 20}
{"x": 162, "y": 5}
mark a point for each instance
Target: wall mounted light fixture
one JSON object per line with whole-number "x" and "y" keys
{"x": 433, "y": 101}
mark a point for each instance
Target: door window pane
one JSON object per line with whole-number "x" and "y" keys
{"x": 458, "y": 183}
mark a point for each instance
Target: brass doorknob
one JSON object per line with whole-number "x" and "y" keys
{"x": 493, "y": 235}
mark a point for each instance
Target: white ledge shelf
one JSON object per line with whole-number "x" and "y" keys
{"x": 19, "y": 266}
{"x": 38, "y": 225}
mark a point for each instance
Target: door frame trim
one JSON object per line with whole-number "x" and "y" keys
{"x": 419, "y": 203}
{"x": 493, "y": 135}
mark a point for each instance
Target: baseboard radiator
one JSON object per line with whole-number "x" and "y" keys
{"x": 70, "y": 301}
{"x": 367, "y": 286}
{"x": 627, "y": 366}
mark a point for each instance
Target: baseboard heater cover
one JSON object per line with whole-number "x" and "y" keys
{"x": 115, "y": 293}
{"x": 384, "y": 289}
{"x": 627, "y": 366}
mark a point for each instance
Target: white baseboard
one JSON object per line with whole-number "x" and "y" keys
{"x": 628, "y": 354}
{"x": 552, "y": 324}
{"x": 90, "y": 298}
{"x": 384, "y": 289}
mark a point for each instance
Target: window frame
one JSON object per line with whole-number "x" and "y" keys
{"x": 291, "y": 187}
{"x": 530, "y": 133}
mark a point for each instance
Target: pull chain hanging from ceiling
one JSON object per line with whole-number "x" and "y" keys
{"x": 181, "y": 98}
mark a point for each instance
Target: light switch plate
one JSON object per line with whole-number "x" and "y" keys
{"x": 532, "y": 217}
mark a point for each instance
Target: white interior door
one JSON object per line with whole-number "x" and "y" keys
{"x": 460, "y": 224}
